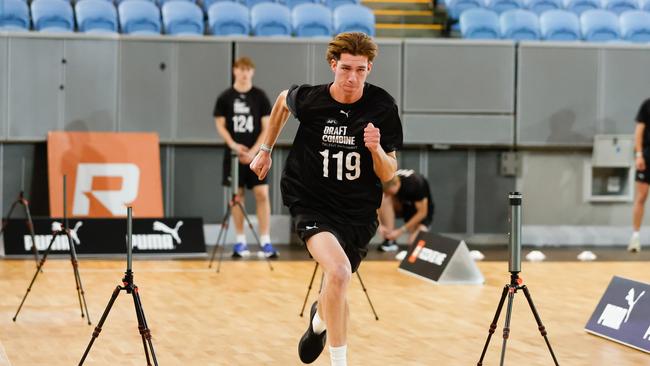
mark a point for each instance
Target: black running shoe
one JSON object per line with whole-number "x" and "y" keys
{"x": 311, "y": 344}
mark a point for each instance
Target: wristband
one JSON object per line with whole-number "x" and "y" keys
{"x": 266, "y": 148}
{"x": 638, "y": 154}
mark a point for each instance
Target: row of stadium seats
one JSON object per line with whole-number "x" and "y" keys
{"x": 456, "y": 7}
{"x": 205, "y": 4}
{"x": 185, "y": 18}
{"x": 557, "y": 25}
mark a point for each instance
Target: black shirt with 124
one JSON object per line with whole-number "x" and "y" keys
{"x": 329, "y": 169}
{"x": 243, "y": 113}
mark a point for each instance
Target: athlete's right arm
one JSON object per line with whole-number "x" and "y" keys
{"x": 638, "y": 146}
{"x": 279, "y": 116}
{"x": 225, "y": 135}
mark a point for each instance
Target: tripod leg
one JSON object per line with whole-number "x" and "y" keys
{"x": 540, "y": 326}
{"x": 224, "y": 223}
{"x": 30, "y": 227}
{"x": 311, "y": 282}
{"x": 6, "y": 221}
{"x": 367, "y": 296}
{"x": 77, "y": 277}
{"x": 98, "y": 328}
{"x": 38, "y": 270}
{"x": 493, "y": 325}
{"x": 144, "y": 329}
{"x": 506, "y": 327}
{"x": 225, "y": 226}
{"x": 250, "y": 226}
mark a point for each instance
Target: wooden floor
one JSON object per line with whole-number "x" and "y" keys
{"x": 247, "y": 315}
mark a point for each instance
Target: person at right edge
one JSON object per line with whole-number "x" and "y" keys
{"x": 641, "y": 153}
{"x": 344, "y": 149}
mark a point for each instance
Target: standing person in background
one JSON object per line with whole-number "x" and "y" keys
{"x": 241, "y": 114}
{"x": 642, "y": 154}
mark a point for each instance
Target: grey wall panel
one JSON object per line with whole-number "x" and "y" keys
{"x": 491, "y": 194}
{"x": 90, "y": 85}
{"x": 278, "y": 65}
{"x": 625, "y": 81}
{"x": 203, "y": 73}
{"x": 458, "y": 129}
{"x": 4, "y": 61}
{"x": 147, "y": 99}
{"x": 34, "y": 103}
{"x": 448, "y": 181}
{"x": 386, "y": 70}
{"x": 197, "y": 180}
{"x": 458, "y": 76}
{"x": 557, "y": 95}
{"x": 32, "y": 179}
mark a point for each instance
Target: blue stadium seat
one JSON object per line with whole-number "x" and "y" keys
{"x": 163, "y": 2}
{"x": 501, "y": 6}
{"x": 229, "y": 19}
{"x": 580, "y": 6}
{"x": 479, "y": 24}
{"x": 271, "y": 19}
{"x": 644, "y": 5}
{"x": 139, "y": 17}
{"x": 52, "y": 16}
{"x": 14, "y": 15}
{"x": 560, "y": 25}
{"x": 620, "y": 6}
{"x": 208, "y": 3}
{"x": 182, "y": 18}
{"x": 540, "y": 6}
{"x": 599, "y": 26}
{"x": 333, "y": 4}
{"x": 293, "y": 3}
{"x": 519, "y": 25}
{"x": 312, "y": 20}
{"x": 252, "y": 3}
{"x": 96, "y": 16}
{"x": 456, "y": 7}
{"x": 635, "y": 26}
{"x": 354, "y": 18}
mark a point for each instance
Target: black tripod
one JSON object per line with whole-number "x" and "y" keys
{"x": 235, "y": 200}
{"x": 132, "y": 289}
{"x": 311, "y": 282}
{"x": 21, "y": 200}
{"x": 73, "y": 258}
{"x": 515, "y": 284}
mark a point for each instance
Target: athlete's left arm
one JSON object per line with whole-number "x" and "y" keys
{"x": 384, "y": 164}
{"x": 260, "y": 139}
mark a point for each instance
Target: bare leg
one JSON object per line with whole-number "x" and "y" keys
{"x": 387, "y": 212}
{"x": 263, "y": 207}
{"x": 332, "y": 303}
{"x": 238, "y": 215}
{"x": 639, "y": 203}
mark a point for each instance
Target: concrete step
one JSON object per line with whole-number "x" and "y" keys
{"x": 398, "y": 4}
{"x": 399, "y": 16}
{"x": 408, "y": 30}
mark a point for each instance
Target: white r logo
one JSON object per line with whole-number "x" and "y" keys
{"x": 114, "y": 201}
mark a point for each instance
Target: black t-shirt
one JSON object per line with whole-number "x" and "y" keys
{"x": 643, "y": 116}
{"x": 413, "y": 188}
{"x": 329, "y": 169}
{"x": 243, "y": 113}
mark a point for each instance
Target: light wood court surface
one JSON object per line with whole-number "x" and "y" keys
{"x": 248, "y": 315}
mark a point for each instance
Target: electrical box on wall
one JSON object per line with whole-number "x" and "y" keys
{"x": 609, "y": 176}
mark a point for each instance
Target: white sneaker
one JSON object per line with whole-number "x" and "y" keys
{"x": 635, "y": 244}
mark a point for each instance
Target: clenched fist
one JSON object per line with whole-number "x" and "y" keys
{"x": 371, "y": 137}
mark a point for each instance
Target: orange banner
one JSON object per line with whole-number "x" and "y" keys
{"x": 106, "y": 172}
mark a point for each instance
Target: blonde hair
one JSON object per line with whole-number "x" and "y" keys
{"x": 353, "y": 43}
{"x": 243, "y": 62}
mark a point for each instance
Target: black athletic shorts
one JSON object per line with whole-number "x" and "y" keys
{"x": 409, "y": 211}
{"x": 247, "y": 178}
{"x": 354, "y": 239}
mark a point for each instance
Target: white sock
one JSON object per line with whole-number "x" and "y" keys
{"x": 241, "y": 238}
{"x": 318, "y": 324}
{"x": 265, "y": 239}
{"x": 338, "y": 355}
{"x": 635, "y": 234}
